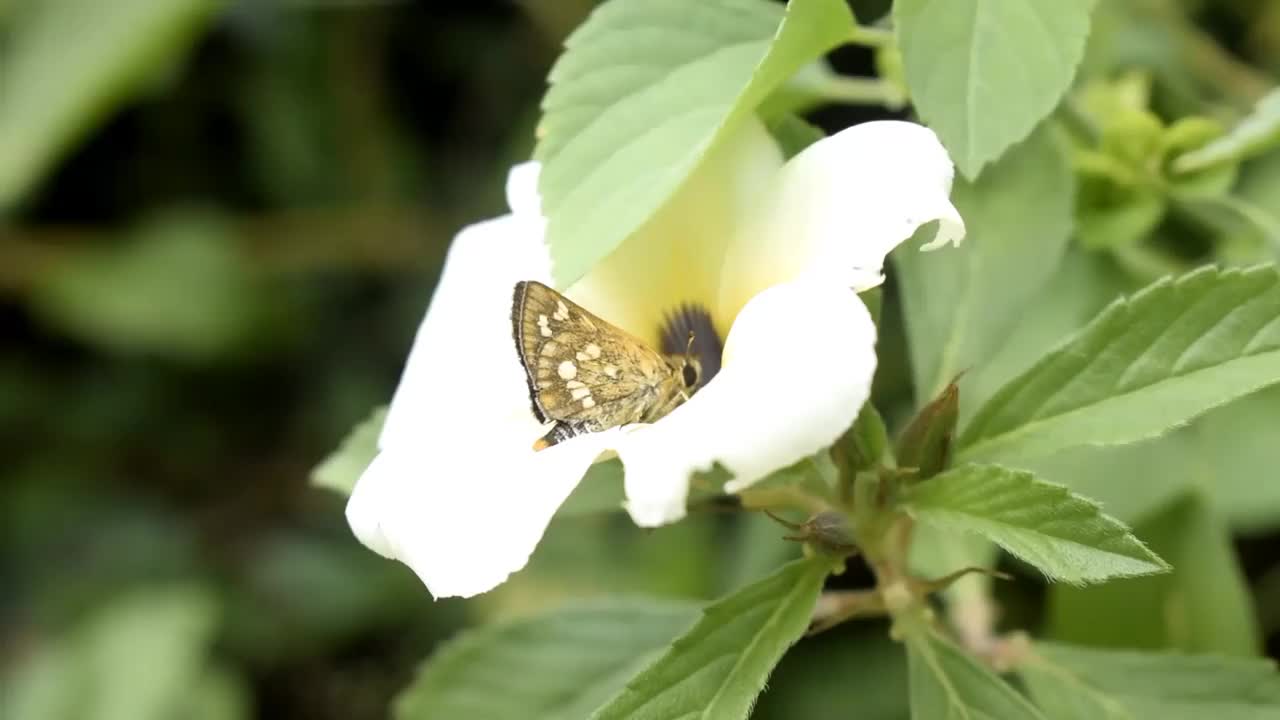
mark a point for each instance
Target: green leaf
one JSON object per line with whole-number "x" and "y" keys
{"x": 1232, "y": 448}
{"x": 1130, "y": 481}
{"x": 946, "y": 683}
{"x": 1231, "y": 216}
{"x": 936, "y": 552}
{"x": 53, "y": 91}
{"x": 555, "y": 666}
{"x": 855, "y": 667}
{"x": 599, "y": 491}
{"x": 171, "y": 627}
{"x": 1066, "y": 696}
{"x": 218, "y": 694}
{"x": 1083, "y": 284}
{"x": 92, "y": 671}
{"x": 1260, "y": 180}
{"x": 1082, "y": 684}
{"x": 1256, "y": 133}
{"x": 1202, "y": 606}
{"x": 1222, "y": 455}
{"x": 343, "y": 467}
{"x": 717, "y": 668}
{"x": 1067, "y": 537}
{"x": 1110, "y": 217}
{"x": 960, "y": 304}
{"x": 793, "y": 133}
{"x": 865, "y": 445}
{"x": 983, "y": 73}
{"x": 178, "y": 287}
{"x": 41, "y": 685}
{"x": 643, "y": 92}
{"x": 1148, "y": 363}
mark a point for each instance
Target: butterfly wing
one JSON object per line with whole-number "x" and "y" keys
{"x": 581, "y": 370}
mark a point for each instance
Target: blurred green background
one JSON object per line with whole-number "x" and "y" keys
{"x": 219, "y": 226}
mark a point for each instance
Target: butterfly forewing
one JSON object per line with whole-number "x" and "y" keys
{"x": 583, "y": 372}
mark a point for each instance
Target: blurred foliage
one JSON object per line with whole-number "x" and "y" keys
{"x": 220, "y": 224}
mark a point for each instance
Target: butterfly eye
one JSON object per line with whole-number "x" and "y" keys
{"x": 689, "y": 373}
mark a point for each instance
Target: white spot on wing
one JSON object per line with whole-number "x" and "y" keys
{"x": 592, "y": 350}
{"x": 579, "y": 393}
{"x": 588, "y": 403}
{"x": 611, "y": 371}
{"x": 562, "y": 312}
{"x": 567, "y": 370}
{"x": 544, "y": 326}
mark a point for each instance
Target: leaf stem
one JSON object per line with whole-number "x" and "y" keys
{"x": 782, "y": 498}
{"x": 872, "y": 37}
{"x": 838, "y": 606}
{"x": 861, "y": 91}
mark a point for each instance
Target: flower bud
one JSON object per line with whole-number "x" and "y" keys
{"x": 926, "y": 442}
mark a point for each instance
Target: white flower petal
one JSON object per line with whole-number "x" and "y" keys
{"x": 457, "y": 491}
{"x": 798, "y": 366}
{"x": 522, "y": 190}
{"x": 463, "y": 370}
{"x": 841, "y": 205}
{"x": 466, "y": 515}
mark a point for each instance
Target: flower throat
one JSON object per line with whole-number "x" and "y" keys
{"x": 706, "y": 348}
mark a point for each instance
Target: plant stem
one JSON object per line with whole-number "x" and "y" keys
{"x": 872, "y": 37}
{"x": 861, "y": 91}
{"x": 837, "y": 606}
{"x": 782, "y": 498}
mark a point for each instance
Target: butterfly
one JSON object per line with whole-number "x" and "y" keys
{"x": 586, "y": 375}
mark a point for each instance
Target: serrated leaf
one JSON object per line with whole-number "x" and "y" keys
{"x": 983, "y": 73}
{"x": 342, "y": 468}
{"x": 1148, "y": 363}
{"x": 1067, "y": 537}
{"x": 1256, "y": 133}
{"x": 960, "y": 305}
{"x": 556, "y": 666}
{"x": 53, "y": 91}
{"x": 1082, "y": 684}
{"x": 1202, "y": 606}
{"x": 948, "y": 684}
{"x": 715, "y": 670}
{"x": 644, "y": 89}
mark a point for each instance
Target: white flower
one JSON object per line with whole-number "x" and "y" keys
{"x": 768, "y": 250}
